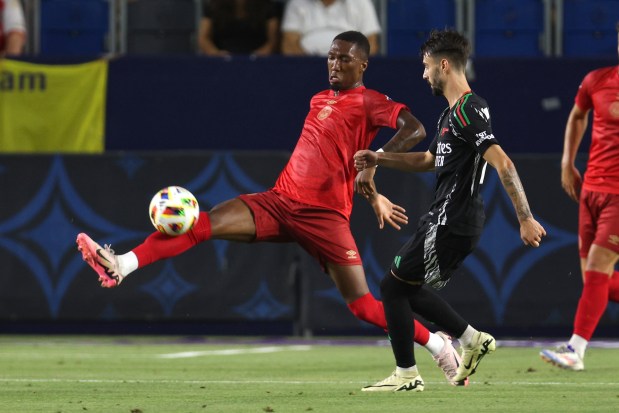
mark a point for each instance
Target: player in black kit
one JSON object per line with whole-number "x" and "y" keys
{"x": 448, "y": 233}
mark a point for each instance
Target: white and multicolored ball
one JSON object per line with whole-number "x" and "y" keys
{"x": 174, "y": 210}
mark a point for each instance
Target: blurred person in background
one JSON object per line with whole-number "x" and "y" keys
{"x": 598, "y": 198}
{"x": 308, "y": 26}
{"x": 12, "y": 28}
{"x": 239, "y": 27}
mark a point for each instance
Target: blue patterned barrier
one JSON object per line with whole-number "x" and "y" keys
{"x": 49, "y": 199}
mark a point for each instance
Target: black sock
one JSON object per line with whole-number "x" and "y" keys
{"x": 400, "y": 324}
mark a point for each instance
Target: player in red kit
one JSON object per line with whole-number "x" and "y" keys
{"x": 311, "y": 201}
{"x": 598, "y": 197}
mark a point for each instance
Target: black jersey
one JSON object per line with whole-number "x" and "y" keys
{"x": 463, "y": 136}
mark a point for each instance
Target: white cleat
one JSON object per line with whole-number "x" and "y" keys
{"x": 397, "y": 383}
{"x": 564, "y": 357}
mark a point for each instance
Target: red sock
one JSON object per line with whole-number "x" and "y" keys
{"x": 369, "y": 309}
{"x": 158, "y": 246}
{"x": 613, "y": 287}
{"x": 592, "y": 303}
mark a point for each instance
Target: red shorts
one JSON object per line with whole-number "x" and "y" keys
{"x": 324, "y": 233}
{"x": 598, "y": 221}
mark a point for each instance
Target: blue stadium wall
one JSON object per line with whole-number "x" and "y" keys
{"x": 171, "y": 103}
{"x": 224, "y": 287}
{"x": 225, "y": 127}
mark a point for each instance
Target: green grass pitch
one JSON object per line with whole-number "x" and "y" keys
{"x": 70, "y": 374}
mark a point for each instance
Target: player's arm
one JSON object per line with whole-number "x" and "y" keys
{"x": 410, "y": 132}
{"x": 531, "y": 232}
{"x": 407, "y": 162}
{"x": 571, "y": 180}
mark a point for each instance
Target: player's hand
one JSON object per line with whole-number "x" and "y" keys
{"x": 571, "y": 181}
{"x": 364, "y": 182}
{"x": 365, "y": 159}
{"x": 531, "y": 232}
{"x": 388, "y": 212}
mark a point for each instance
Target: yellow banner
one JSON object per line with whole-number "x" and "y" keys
{"x": 52, "y": 108}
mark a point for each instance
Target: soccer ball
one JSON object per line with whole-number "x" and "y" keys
{"x": 173, "y": 210}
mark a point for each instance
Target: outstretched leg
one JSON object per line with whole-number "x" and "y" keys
{"x": 231, "y": 220}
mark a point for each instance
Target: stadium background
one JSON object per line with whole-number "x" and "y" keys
{"x": 223, "y": 127}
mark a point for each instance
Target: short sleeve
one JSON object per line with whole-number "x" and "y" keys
{"x": 272, "y": 11}
{"x": 207, "y": 10}
{"x": 368, "y": 19}
{"x": 292, "y": 21}
{"x": 583, "y": 95}
{"x": 471, "y": 119}
{"x": 13, "y": 17}
{"x": 382, "y": 110}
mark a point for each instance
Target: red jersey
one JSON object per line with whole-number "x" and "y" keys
{"x": 599, "y": 91}
{"x": 320, "y": 171}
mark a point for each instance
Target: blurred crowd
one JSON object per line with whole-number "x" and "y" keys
{"x": 295, "y": 27}
{"x": 519, "y": 28}
{"x": 251, "y": 27}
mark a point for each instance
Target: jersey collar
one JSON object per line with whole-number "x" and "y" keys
{"x": 461, "y": 96}
{"x": 358, "y": 89}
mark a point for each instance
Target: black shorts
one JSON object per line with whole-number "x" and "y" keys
{"x": 432, "y": 255}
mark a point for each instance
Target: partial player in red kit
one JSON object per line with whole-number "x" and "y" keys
{"x": 598, "y": 197}
{"x": 311, "y": 201}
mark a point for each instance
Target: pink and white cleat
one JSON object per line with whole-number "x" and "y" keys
{"x": 102, "y": 260}
{"x": 448, "y": 360}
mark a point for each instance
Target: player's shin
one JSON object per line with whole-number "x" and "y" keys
{"x": 592, "y": 304}
{"x": 158, "y": 246}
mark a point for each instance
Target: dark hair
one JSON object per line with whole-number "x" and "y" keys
{"x": 356, "y": 38}
{"x": 447, "y": 43}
